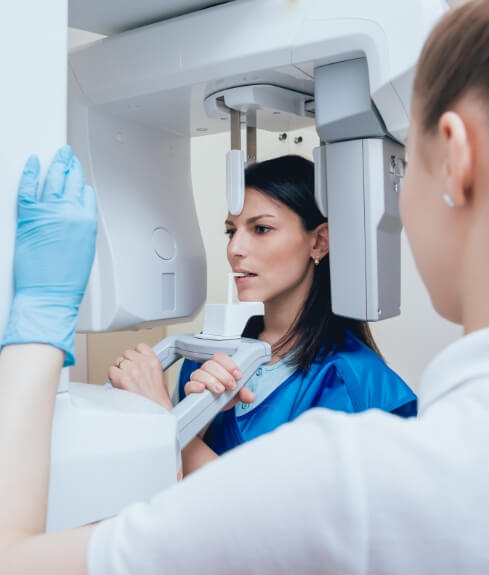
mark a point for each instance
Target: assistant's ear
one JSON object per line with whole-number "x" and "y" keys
{"x": 320, "y": 242}
{"x": 457, "y": 158}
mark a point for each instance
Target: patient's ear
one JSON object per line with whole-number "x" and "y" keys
{"x": 320, "y": 243}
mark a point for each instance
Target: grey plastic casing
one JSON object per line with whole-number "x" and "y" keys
{"x": 359, "y": 193}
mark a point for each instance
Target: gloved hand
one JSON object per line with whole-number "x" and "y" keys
{"x": 54, "y": 250}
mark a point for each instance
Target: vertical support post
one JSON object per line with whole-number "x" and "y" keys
{"x": 33, "y": 56}
{"x": 235, "y": 167}
{"x": 235, "y": 130}
{"x": 251, "y": 138}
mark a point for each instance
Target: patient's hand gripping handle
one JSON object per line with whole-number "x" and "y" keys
{"x": 195, "y": 411}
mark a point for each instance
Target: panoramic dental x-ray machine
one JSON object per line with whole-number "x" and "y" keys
{"x": 169, "y": 71}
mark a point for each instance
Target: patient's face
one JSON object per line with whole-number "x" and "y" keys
{"x": 268, "y": 242}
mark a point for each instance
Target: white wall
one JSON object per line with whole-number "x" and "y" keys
{"x": 32, "y": 109}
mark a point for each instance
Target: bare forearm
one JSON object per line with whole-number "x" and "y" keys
{"x": 48, "y": 554}
{"x": 195, "y": 455}
{"x": 29, "y": 376}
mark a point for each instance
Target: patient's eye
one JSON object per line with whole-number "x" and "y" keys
{"x": 229, "y": 232}
{"x": 262, "y": 229}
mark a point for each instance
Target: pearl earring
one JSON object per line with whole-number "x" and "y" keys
{"x": 316, "y": 261}
{"x": 449, "y": 200}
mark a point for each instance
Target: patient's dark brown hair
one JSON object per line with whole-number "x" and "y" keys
{"x": 316, "y": 331}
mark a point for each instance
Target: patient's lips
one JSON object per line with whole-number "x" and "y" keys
{"x": 243, "y": 277}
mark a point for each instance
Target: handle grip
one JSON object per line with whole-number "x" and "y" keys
{"x": 195, "y": 411}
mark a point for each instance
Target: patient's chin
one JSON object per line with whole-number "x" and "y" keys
{"x": 247, "y": 295}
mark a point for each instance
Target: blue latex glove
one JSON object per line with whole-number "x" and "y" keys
{"x": 54, "y": 251}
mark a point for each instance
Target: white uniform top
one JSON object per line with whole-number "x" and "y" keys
{"x": 331, "y": 493}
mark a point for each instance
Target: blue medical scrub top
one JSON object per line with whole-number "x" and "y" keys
{"x": 351, "y": 380}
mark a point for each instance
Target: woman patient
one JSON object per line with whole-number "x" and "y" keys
{"x": 280, "y": 242}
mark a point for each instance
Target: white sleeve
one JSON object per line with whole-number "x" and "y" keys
{"x": 292, "y": 501}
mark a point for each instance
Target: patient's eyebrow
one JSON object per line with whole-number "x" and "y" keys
{"x": 251, "y": 220}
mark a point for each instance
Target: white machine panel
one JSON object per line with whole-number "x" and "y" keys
{"x": 113, "y": 16}
{"x": 150, "y": 261}
{"x": 144, "y": 93}
{"x": 261, "y": 41}
{"x": 109, "y": 448}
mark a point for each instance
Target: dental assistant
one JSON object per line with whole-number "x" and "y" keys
{"x": 330, "y": 492}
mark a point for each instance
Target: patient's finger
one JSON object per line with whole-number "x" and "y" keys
{"x": 194, "y": 387}
{"x": 245, "y": 395}
{"x": 224, "y": 359}
{"x": 208, "y": 380}
{"x": 220, "y": 373}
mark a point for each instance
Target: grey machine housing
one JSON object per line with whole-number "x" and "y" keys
{"x": 359, "y": 171}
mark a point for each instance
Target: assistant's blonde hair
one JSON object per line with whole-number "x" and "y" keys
{"x": 454, "y": 62}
